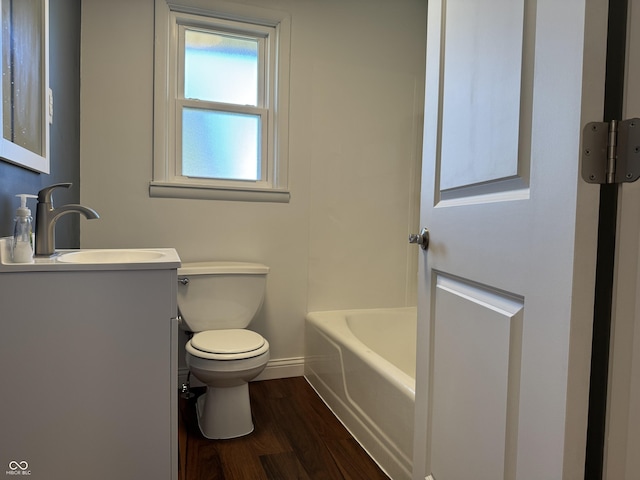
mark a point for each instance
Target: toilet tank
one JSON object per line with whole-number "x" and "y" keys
{"x": 218, "y": 295}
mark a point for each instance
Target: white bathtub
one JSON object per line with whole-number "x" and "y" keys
{"x": 362, "y": 364}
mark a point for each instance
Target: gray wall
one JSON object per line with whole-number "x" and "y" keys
{"x": 64, "y": 61}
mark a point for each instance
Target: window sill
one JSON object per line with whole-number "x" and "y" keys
{"x": 207, "y": 192}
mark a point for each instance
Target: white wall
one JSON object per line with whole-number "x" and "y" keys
{"x": 357, "y": 81}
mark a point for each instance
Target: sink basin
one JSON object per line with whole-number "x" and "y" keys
{"x": 111, "y": 256}
{"x": 92, "y": 259}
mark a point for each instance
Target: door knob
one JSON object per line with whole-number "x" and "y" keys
{"x": 421, "y": 238}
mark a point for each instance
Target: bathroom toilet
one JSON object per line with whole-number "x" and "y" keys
{"x": 217, "y": 301}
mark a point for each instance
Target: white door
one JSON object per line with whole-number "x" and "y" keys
{"x": 506, "y": 287}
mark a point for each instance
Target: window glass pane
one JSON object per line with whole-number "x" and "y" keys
{"x": 221, "y": 68}
{"x": 22, "y": 70}
{"x": 220, "y": 145}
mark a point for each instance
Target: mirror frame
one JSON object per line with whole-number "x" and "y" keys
{"x": 12, "y": 152}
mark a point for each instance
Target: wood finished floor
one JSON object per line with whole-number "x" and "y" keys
{"x": 296, "y": 437}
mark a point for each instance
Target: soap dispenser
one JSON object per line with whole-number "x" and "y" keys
{"x": 22, "y": 246}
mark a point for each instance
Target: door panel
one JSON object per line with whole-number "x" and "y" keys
{"x": 476, "y": 359}
{"x": 476, "y": 59}
{"x": 505, "y": 296}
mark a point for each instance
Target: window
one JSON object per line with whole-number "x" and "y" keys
{"x": 221, "y": 102}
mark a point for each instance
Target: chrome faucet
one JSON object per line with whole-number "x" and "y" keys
{"x": 47, "y": 216}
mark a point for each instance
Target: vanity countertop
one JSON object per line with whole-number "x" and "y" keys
{"x": 92, "y": 259}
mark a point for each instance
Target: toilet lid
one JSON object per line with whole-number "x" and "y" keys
{"x": 227, "y": 341}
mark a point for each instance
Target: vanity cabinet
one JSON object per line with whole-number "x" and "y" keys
{"x": 88, "y": 373}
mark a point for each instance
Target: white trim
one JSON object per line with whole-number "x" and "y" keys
{"x": 203, "y": 192}
{"x": 283, "y": 368}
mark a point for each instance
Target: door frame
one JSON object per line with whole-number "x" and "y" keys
{"x": 622, "y": 416}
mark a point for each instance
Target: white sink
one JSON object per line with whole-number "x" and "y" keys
{"x": 111, "y": 256}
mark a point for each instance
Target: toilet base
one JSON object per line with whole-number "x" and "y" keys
{"x": 225, "y": 412}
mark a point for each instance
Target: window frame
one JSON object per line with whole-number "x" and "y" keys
{"x": 171, "y": 19}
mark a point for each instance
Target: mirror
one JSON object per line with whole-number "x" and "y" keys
{"x": 25, "y": 106}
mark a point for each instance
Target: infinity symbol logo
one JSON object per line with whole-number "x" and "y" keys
{"x": 13, "y": 465}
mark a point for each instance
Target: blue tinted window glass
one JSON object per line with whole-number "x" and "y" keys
{"x": 221, "y": 68}
{"x": 220, "y": 145}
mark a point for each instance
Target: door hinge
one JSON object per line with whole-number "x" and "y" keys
{"x": 611, "y": 151}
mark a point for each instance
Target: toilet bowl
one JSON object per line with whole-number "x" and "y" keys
{"x": 216, "y": 301}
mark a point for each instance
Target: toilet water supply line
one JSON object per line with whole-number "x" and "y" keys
{"x": 185, "y": 388}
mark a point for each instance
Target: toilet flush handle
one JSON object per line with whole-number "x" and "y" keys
{"x": 183, "y": 280}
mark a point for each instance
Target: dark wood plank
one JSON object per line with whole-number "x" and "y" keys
{"x": 296, "y": 437}
{"x": 268, "y": 437}
{"x": 347, "y": 454}
{"x": 239, "y": 459}
{"x": 203, "y": 463}
{"x": 283, "y": 465}
{"x": 306, "y": 442}
{"x": 200, "y": 460}
{"x": 316, "y": 414}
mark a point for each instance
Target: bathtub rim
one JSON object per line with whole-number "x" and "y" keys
{"x": 388, "y": 370}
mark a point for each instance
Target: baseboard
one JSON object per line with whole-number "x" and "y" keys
{"x": 276, "y": 368}
{"x": 282, "y": 368}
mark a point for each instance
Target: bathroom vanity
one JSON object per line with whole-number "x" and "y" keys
{"x": 88, "y": 370}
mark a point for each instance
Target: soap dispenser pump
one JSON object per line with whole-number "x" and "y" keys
{"x": 22, "y": 246}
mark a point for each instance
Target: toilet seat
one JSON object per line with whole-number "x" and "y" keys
{"x": 229, "y": 344}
